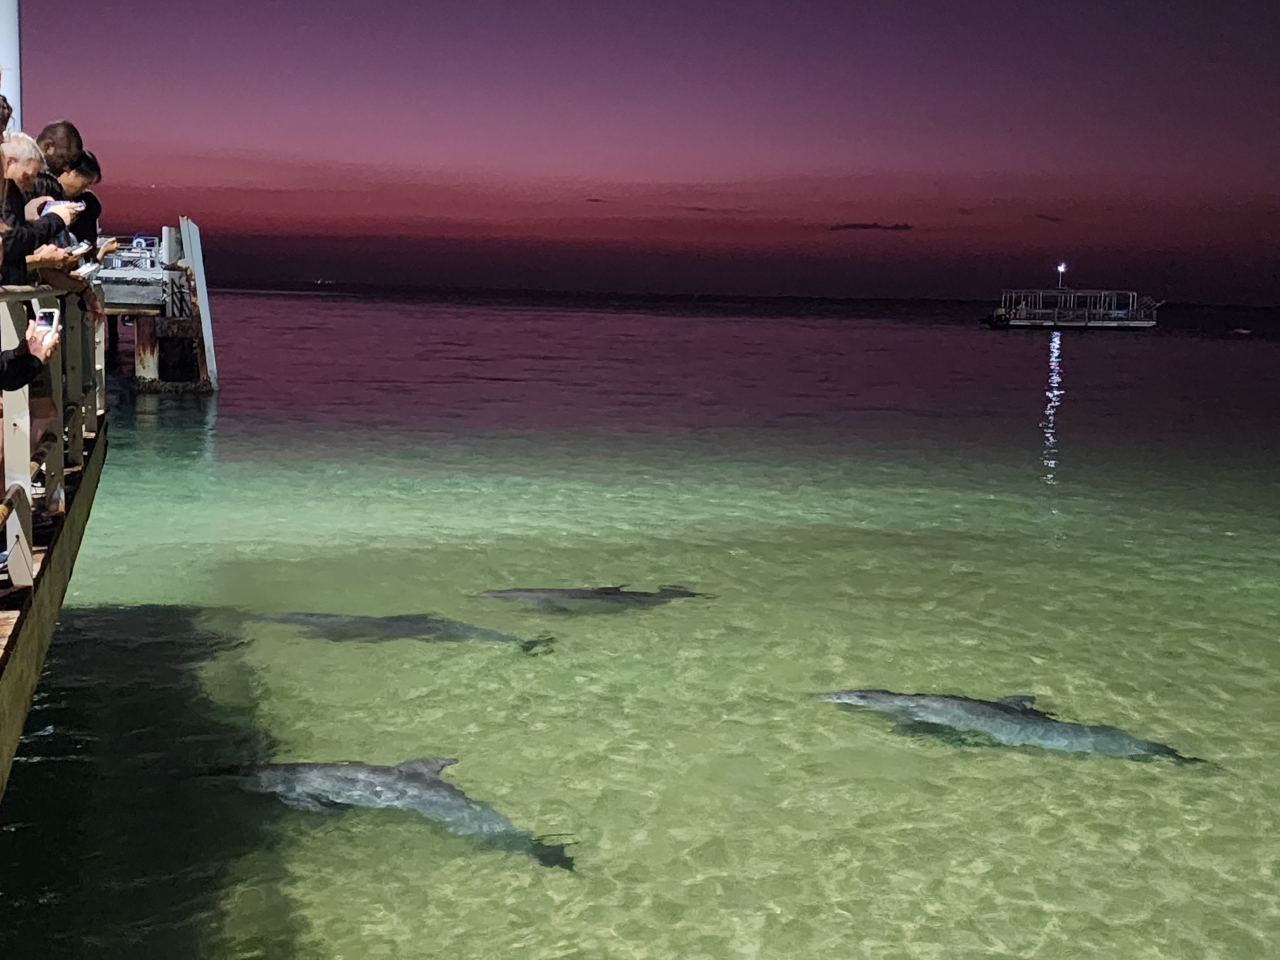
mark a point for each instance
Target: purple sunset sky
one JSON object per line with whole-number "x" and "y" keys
{"x": 689, "y": 146}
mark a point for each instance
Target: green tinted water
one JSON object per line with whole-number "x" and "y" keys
{"x": 719, "y": 811}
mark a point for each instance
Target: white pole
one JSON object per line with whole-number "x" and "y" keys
{"x": 11, "y": 59}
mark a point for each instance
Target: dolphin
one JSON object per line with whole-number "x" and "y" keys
{"x": 1013, "y": 721}
{"x": 590, "y": 599}
{"x": 413, "y": 785}
{"x": 419, "y": 626}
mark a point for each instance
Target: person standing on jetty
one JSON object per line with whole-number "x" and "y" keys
{"x": 61, "y": 146}
{"x": 25, "y": 229}
{"x": 76, "y": 182}
{"x": 28, "y": 235}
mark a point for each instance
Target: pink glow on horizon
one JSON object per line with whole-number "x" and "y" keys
{"x": 993, "y": 129}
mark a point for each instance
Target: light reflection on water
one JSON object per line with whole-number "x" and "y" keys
{"x": 880, "y": 524}
{"x": 1054, "y": 392}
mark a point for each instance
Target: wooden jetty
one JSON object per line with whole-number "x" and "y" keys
{"x": 55, "y": 430}
{"x": 55, "y": 441}
{"x": 1062, "y": 307}
{"x": 157, "y": 284}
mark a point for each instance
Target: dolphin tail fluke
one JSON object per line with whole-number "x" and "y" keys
{"x": 538, "y": 645}
{"x": 830, "y": 697}
{"x": 551, "y": 854}
{"x": 428, "y": 766}
{"x": 1169, "y": 753}
{"x": 679, "y": 590}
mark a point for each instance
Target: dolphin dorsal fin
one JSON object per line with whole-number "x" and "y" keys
{"x": 431, "y": 766}
{"x": 1019, "y": 701}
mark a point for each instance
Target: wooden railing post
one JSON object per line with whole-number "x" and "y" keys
{"x": 99, "y": 384}
{"x": 73, "y": 343}
{"x": 51, "y": 387}
{"x": 17, "y": 448}
{"x": 68, "y": 396}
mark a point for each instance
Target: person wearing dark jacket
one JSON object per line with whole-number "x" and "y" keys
{"x": 25, "y": 230}
{"x": 73, "y": 184}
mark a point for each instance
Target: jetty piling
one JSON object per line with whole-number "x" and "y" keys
{"x": 158, "y": 285}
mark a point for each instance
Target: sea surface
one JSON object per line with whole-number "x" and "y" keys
{"x": 874, "y": 495}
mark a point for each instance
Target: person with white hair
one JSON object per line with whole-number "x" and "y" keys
{"x": 25, "y": 230}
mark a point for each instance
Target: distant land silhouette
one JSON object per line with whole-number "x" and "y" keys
{"x": 531, "y": 266}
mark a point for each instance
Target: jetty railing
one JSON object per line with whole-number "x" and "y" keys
{"x": 61, "y": 410}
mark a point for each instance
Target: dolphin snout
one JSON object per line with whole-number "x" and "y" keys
{"x": 855, "y": 697}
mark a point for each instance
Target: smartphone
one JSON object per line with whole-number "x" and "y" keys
{"x": 80, "y": 249}
{"x": 53, "y": 203}
{"x": 87, "y": 271}
{"x": 47, "y": 318}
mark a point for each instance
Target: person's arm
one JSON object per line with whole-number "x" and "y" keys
{"x": 22, "y": 238}
{"x": 22, "y": 364}
{"x": 60, "y": 280}
{"x": 31, "y": 212}
{"x": 50, "y": 256}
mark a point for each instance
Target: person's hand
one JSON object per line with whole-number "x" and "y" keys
{"x": 32, "y": 210}
{"x": 41, "y": 341}
{"x": 96, "y": 311}
{"x": 50, "y": 256}
{"x": 66, "y": 210}
{"x": 108, "y": 248}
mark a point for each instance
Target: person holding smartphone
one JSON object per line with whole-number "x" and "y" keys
{"x": 22, "y": 364}
{"x": 76, "y": 181}
{"x": 25, "y": 228}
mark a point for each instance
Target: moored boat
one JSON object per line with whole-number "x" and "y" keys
{"x": 1063, "y": 307}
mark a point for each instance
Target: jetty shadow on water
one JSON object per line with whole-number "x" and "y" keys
{"x": 111, "y": 845}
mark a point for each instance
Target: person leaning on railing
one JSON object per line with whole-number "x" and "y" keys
{"x": 60, "y": 149}
{"x": 27, "y": 238}
{"x": 26, "y": 232}
{"x": 21, "y": 365}
{"x": 75, "y": 182}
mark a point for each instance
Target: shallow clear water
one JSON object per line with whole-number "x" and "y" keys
{"x": 872, "y": 502}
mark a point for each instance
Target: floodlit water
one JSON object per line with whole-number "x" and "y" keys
{"x": 909, "y": 503}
